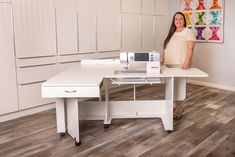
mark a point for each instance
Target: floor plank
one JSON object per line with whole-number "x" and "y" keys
{"x": 207, "y": 129}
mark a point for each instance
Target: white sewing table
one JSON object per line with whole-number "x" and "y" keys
{"x": 85, "y": 81}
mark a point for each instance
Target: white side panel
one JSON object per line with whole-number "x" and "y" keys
{"x": 148, "y": 6}
{"x": 131, "y": 32}
{"x": 66, "y": 22}
{"x": 35, "y": 73}
{"x": 86, "y": 25}
{"x": 8, "y": 88}
{"x": 148, "y": 30}
{"x": 30, "y": 96}
{"x": 131, "y": 6}
{"x": 34, "y": 26}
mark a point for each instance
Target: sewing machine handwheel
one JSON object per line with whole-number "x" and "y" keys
{"x": 78, "y": 143}
{"x": 106, "y": 126}
{"x": 169, "y": 131}
{"x": 62, "y": 134}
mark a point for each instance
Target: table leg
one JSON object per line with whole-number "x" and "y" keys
{"x": 60, "y": 116}
{"x": 107, "y": 120}
{"x": 167, "y": 119}
{"x": 73, "y": 119}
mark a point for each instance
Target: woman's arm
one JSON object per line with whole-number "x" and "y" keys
{"x": 186, "y": 64}
{"x": 162, "y": 60}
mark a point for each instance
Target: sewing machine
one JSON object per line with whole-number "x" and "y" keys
{"x": 152, "y": 60}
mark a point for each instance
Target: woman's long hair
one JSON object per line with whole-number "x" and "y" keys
{"x": 173, "y": 29}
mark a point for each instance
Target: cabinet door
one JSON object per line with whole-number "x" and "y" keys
{"x": 30, "y": 95}
{"x": 131, "y": 32}
{"x": 86, "y": 25}
{"x": 148, "y": 30}
{"x": 66, "y": 22}
{"x": 161, "y": 7}
{"x": 148, "y": 7}
{"x": 131, "y": 6}
{"x": 108, "y": 25}
{"x": 8, "y": 1}
{"x": 8, "y": 88}
{"x": 34, "y": 25}
{"x": 161, "y": 32}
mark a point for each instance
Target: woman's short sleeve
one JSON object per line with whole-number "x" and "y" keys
{"x": 190, "y": 35}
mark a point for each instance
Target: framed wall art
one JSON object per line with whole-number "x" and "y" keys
{"x": 206, "y": 18}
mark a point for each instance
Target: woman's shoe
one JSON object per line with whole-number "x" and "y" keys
{"x": 178, "y": 112}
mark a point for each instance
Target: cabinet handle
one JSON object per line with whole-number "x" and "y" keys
{"x": 73, "y": 91}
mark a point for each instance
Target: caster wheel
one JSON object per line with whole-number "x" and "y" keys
{"x": 77, "y": 143}
{"x": 169, "y": 131}
{"x": 106, "y": 126}
{"x": 62, "y": 134}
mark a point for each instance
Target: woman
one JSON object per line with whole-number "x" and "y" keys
{"x": 178, "y": 51}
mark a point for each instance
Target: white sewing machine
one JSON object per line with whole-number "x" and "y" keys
{"x": 152, "y": 60}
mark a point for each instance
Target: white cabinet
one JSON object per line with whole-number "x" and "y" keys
{"x": 148, "y": 30}
{"x": 108, "y": 25}
{"x": 148, "y": 7}
{"x": 131, "y": 6}
{"x": 86, "y": 25}
{"x": 66, "y": 22}
{"x": 8, "y": 88}
{"x": 34, "y": 26}
{"x": 131, "y": 32}
{"x": 31, "y": 72}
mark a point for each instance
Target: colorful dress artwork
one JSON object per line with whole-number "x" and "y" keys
{"x": 201, "y": 5}
{"x": 205, "y": 17}
{"x": 200, "y": 18}
{"x": 188, "y": 5}
{"x": 188, "y": 18}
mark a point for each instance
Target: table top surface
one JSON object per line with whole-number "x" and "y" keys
{"x": 93, "y": 74}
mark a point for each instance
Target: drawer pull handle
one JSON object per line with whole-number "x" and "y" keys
{"x": 73, "y": 91}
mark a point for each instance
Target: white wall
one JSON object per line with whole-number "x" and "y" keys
{"x": 218, "y": 60}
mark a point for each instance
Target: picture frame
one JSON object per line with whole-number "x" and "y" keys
{"x": 205, "y": 18}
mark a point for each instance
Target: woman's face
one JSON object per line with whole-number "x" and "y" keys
{"x": 179, "y": 21}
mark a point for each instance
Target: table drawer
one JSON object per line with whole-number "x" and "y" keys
{"x": 58, "y": 92}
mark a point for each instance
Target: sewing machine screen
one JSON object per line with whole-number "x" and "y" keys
{"x": 141, "y": 57}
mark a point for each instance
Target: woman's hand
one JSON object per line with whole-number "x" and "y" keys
{"x": 185, "y": 65}
{"x": 162, "y": 61}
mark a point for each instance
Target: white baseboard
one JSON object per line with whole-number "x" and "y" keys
{"x": 213, "y": 85}
{"x": 18, "y": 114}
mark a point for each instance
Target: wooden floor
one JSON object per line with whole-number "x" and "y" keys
{"x": 207, "y": 129}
